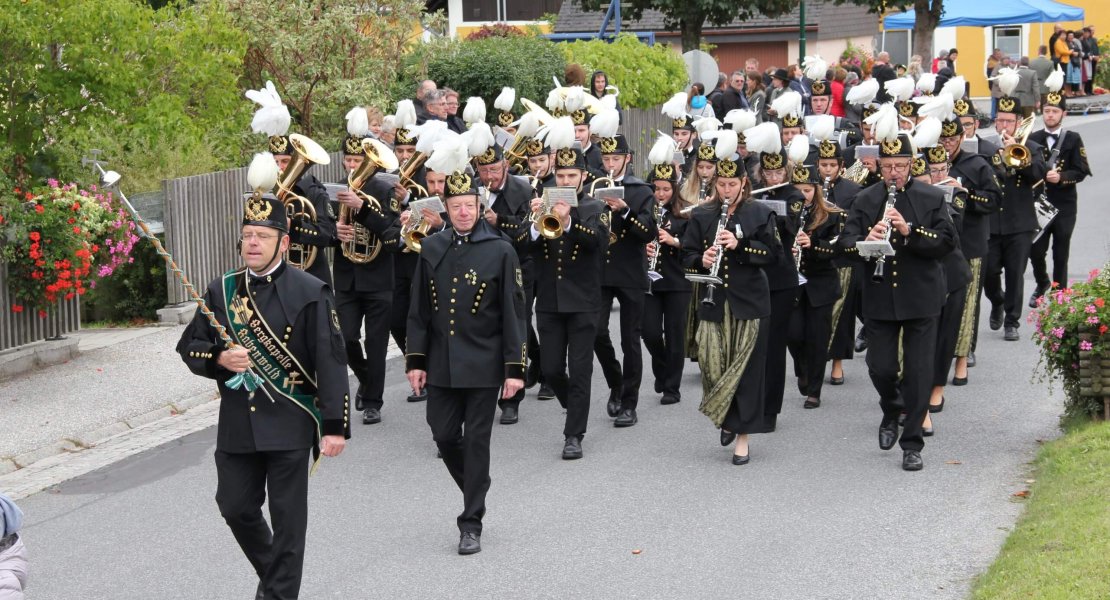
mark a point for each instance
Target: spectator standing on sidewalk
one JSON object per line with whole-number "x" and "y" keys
{"x": 13, "y": 555}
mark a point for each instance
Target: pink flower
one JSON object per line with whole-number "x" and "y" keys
{"x": 1058, "y": 332}
{"x": 1092, "y": 275}
{"x": 52, "y": 182}
{"x": 1055, "y": 347}
{"x": 1085, "y": 345}
{"x": 1091, "y": 309}
{"x": 1092, "y": 320}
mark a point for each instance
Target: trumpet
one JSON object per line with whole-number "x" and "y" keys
{"x": 408, "y": 172}
{"x": 547, "y": 222}
{"x": 1017, "y": 155}
{"x": 880, "y": 262}
{"x": 712, "y": 279}
{"x": 305, "y": 154}
{"x": 365, "y": 246}
{"x": 653, "y": 263}
{"x": 414, "y": 232}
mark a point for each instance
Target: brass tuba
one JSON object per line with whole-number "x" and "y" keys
{"x": 365, "y": 246}
{"x": 408, "y": 172}
{"x": 305, "y": 153}
{"x": 1017, "y": 155}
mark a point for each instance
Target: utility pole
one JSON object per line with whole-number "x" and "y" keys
{"x": 801, "y": 32}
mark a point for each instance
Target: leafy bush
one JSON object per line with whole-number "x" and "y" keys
{"x": 496, "y": 30}
{"x": 647, "y": 76}
{"x": 482, "y": 67}
{"x": 135, "y": 292}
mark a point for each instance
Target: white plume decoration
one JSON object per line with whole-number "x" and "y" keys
{"x": 406, "y": 114}
{"x": 605, "y": 124}
{"x": 704, "y": 125}
{"x": 528, "y": 125}
{"x": 428, "y": 134}
{"x": 575, "y": 98}
{"x": 1055, "y": 80}
{"x": 955, "y": 87}
{"x": 939, "y": 107}
{"x": 662, "y": 152}
{"x": 675, "y": 108}
{"x": 815, "y": 67}
{"x": 610, "y": 100}
{"x": 727, "y": 142}
{"x": 262, "y": 175}
{"x": 474, "y": 111}
{"x": 449, "y": 154}
{"x": 926, "y": 82}
{"x": 764, "y": 137}
{"x": 821, "y": 127}
{"x": 479, "y": 138}
{"x": 272, "y": 116}
{"x": 798, "y": 149}
{"x": 900, "y": 88}
{"x": 358, "y": 123}
{"x": 740, "y": 119}
{"x": 927, "y": 133}
{"x": 884, "y": 123}
{"x": 1008, "y": 80}
{"x": 863, "y": 93}
{"x": 558, "y": 134}
{"x": 505, "y": 100}
{"x": 789, "y": 103}
{"x": 555, "y": 99}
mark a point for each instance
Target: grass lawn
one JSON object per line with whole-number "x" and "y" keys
{"x": 1060, "y": 548}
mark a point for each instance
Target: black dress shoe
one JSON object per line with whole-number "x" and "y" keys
{"x": 470, "y": 543}
{"x": 371, "y": 416}
{"x": 670, "y": 398}
{"x": 812, "y": 402}
{"x": 741, "y": 460}
{"x": 727, "y": 437}
{"x": 888, "y": 434}
{"x": 359, "y": 398}
{"x": 1011, "y": 334}
{"x": 927, "y": 432}
{"x": 958, "y": 381}
{"x": 613, "y": 407}
{"x": 546, "y": 392}
{"x": 861, "y": 341}
{"x": 970, "y": 359}
{"x": 422, "y": 396}
{"x": 509, "y": 414}
{"x": 996, "y": 317}
{"x": 911, "y": 461}
{"x": 836, "y": 380}
{"x": 572, "y": 448}
{"x": 935, "y": 408}
{"x": 626, "y": 418}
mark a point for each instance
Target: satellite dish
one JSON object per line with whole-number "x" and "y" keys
{"x": 700, "y": 67}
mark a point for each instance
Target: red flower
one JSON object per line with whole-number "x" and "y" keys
{"x": 29, "y": 196}
{"x": 77, "y": 230}
{"x": 1102, "y": 329}
{"x": 34, "y": 235}
{"x": 42, "y": 314}
{"x": 17, "y": 308}
{"x": 95, "y": 248}
{"x": 1099, "y": 302}
{"x": 69, "y": 296}
{"x": 39, "y": 209}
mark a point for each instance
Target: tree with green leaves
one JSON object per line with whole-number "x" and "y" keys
{"x": 927, "y": 15}
{"x": 690, "y": 16}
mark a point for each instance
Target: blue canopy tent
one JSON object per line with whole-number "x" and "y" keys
{"x": 985, "y": 14}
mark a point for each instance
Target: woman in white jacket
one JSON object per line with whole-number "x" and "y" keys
{"x": 13, "y": 556}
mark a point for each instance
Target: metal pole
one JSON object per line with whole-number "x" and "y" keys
{"x": 801, "y": 31}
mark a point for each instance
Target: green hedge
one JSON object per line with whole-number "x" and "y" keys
{"x": 647, "y": 76}
{"x": 134, "y": 292}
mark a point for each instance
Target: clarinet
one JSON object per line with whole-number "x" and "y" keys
{"x": 653, "y": 264}
{"x": 825, "y": 190}
{"x": 797, "y": 245}
{"x": 880, "y": 262}
{"x": 701, "y": 192}
{"x": 714, "y": 279}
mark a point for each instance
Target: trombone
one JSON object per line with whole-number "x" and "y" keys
{"x": 305, "y": 153}
{"x": 365, "y": 246}
{"x": 1017, "y": 155}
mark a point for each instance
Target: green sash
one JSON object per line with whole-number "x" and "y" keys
{"x": 271, "y": 358}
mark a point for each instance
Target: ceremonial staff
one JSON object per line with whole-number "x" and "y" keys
{"x": 249, "y": 379}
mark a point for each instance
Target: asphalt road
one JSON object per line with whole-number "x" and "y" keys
{"x": 653, "y": 511}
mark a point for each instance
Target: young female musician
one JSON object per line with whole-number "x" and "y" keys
{"x": 732, "y": 239}
{"x": 814, "y": 248}
{"x": 695, "y": 190}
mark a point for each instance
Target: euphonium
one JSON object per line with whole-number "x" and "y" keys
{"x": 1017, "y": 155}
{"x": 305, "y": 153}
{"x": 365, "y": 246}
{"x": 857, "y": 172}
{"x": 414, "y": 232}
{"x": 408, "y": 172}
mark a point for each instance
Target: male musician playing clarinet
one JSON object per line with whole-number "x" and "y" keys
{"x": 902, "y": 299}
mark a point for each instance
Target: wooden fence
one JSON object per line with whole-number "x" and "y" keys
{"x": 17, "y": 329}
{"x": 641, "y": 128}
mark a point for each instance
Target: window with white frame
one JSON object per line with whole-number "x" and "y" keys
{"x": 896, "y": 43}
{"x": 1008, "y": 40}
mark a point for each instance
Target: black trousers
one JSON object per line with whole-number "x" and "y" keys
{"x": 948, "y": 332}
{"x": 1009, "y": 253}
{"x": 461, "y": 422}
{"x": 1058, "y": 234}
{"x": 374, "y": 310}
{"x": 399, "y": 313}
{"x": 782, "y": 306}
{"x": 808, "y": 342}
{"x": 911, "y": 394}
{"x": 568, "y": 340}
{"x": 632, "y": 313}
{"x": 533, "y": 343}
{"x": 242, "y": 481}
{"x": 665, "y": 338}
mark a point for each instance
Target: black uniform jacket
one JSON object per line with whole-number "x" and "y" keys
{"x": 783, "y": 274}
{"x": 913, "y": 286}
{"x": 301, "y": 309}
{"x": 625, "y": 259}
{"x": 1016, "y": 213}
{"x": 568, "y": 268}
{"x": 957, "y": 273}
{"x": 669, "y": 263}
{"x": 512, "y": 203}
{"x": 320, "y": 233}
{"x": 466, "y": 316}
{"x": 983, "y": 198}
{"x": 593, "y": 162}
{"x": 376, "y": 275}
{"x": 742, "y": 269}
{"x": 1071, "y": 163}
{"x": 822, "y": 279}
